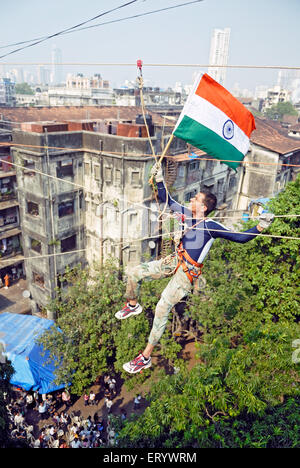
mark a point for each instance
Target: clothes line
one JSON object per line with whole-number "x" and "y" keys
{"x": 148, "y": 238}
{"x": 145, "y": 64}
{"x": 119, "y": 153}
{"x": 79, "y": 186}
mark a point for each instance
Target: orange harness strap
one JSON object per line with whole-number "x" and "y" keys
{"x": 182, "y": 256}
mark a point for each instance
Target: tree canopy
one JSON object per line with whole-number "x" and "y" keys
{"x": 277, "y": 111}
{"x": 247, "y": 319}
{"x": 23, "y": 88}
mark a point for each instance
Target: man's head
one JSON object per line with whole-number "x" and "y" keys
{"x": 202, "y": 204}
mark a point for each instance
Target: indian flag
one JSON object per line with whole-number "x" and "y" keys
{"x": 215, "y": 122}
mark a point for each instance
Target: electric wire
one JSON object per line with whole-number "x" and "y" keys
{"x": 75, "y": 184}
{"x": 68, "y": 29}
{"x": 119, "y": 153}
{"x": 102, "y": 193}
{"x": 102, "y": 24}
{"x": 145, "y": 64}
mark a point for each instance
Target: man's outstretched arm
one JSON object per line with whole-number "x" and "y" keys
{"x": 217, "y": 230}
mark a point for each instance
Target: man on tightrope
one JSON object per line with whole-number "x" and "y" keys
{"x": 184, "y": 265}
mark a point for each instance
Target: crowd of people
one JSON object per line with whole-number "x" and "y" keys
{"x": 48, "y": 421}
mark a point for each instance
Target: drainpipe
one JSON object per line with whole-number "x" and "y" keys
{"x": 240, "y": 187}
{"x": 101, "y": 204}
{"x": 51, "y": 211}
{"x": 122, "y": 211}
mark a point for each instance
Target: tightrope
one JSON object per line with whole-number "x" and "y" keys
{"x": 102, "y": 193}
{"x": 119, "y": 153}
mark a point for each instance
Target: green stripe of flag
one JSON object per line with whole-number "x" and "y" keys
{"x": 203, "y": 138}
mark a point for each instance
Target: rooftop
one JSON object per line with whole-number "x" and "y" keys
{"x": 269, "y": 137}
{"x": 82, "y": 113}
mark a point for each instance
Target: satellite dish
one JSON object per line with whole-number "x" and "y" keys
{"x": 153, "y": 217}
{"x": 26, "y": 294}
{"x": 152, "y": 244}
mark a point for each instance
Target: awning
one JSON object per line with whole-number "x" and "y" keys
{"x": 8, "y": 204}
{"x": 10, "y": 233}
{"x": 4, "y": 174}
{"x": 6, "y": 262}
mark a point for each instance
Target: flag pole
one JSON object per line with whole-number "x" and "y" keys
{"x": 163, "y": 155}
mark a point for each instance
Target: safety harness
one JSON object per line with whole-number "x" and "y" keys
{"x": 194, "y": 271}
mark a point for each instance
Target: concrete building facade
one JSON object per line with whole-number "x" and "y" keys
{"x": 219, "y": 51}
{"x": 11, "y": 252}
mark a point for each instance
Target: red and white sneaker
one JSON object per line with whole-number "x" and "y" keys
{"x": 138, "y": 364}
{"x": 127, "y": 311}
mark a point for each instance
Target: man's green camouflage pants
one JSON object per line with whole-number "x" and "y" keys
{"x": 178, "y": 287}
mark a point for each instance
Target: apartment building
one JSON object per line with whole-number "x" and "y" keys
{"x": 275, "y": 96}
{"x": 270, "y": 164}
{"x": 95, "y": 204}
{"x": 7, "y": 92}
{"x": 11, "y": 258}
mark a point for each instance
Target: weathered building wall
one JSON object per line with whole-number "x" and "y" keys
{"x": 257, "y": 179}
{"x": 47, "y": 227}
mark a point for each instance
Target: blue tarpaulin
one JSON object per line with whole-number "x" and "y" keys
{"x": 18, "y": 334}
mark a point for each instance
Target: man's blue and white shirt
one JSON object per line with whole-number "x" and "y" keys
{"x": 198, "y": 240}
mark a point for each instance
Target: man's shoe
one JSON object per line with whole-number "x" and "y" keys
{"x": 127, "y": 311}
{"x": 138, "y": 364}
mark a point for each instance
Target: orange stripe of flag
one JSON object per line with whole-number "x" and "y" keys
{"x": 213, "y": 92}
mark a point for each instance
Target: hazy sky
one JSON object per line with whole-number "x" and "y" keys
{"x": 263, "y": 32}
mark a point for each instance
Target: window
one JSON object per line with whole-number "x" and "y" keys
{"x": 61, "y": 281}
{"x": 132, "y": 256}
{"x": 209, "y": 165}
{"x": 9, "y": 245}
{"x": 87, "y": 168}
{"x": 194, "y": 166}
{"x": 181, "y": 171}
{"x": 108, "y": 174}
{"x": 38, "y": 279}
{"x": 65, "y": 208}
{"x": 8, "y": 216}
{"x": 64, "y": 168}
{"x": 35, "y": 245}
{"x": 135, "y": 178}
{"x": 97, "y": 172}
{"x": 32, "y": 208}
{"x": 133, "y": 220}
{"x": 190, "y": 195}
{"x": 29, "y": 164}
{"x": 232, "y": 182}
{"x": 209, "y": 188}
{"x": 112, "y": 215}
{"x": 68, "y": 244}
{"x": 118, "y": 176}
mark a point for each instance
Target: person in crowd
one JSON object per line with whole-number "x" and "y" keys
{"x": 92, "y": 398}
{"x": 86, "y": 398}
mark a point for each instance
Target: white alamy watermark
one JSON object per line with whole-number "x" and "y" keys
{"x": 296, "y": 353}
{"x": 2, "y": 349}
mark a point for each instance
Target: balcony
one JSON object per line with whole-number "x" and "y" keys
{"x": 8, "y": 215}
{"x": 7, "y": 194}
{"x": 10, "y": 243}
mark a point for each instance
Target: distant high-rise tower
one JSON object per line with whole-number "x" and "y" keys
{"x": 219, "y": 49}
{"x": 56, "y": 68}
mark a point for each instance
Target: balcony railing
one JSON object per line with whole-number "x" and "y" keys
{"x": 8, "y": 195}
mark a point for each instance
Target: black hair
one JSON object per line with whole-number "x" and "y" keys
{"x": 210, "y": 201}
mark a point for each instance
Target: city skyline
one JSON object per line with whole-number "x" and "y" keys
{"x": 179, "y": 36}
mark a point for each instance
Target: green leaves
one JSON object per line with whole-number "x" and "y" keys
{"x": 86, "y": 340}
{"x": 248, "y": 315}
